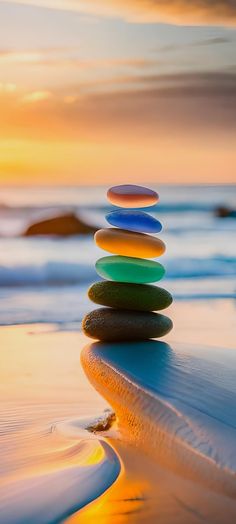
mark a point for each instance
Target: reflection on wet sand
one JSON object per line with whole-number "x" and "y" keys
{"x": 124, "y": 502}
{"x": 144, "y": 492}
{"x": 177, "y": 417}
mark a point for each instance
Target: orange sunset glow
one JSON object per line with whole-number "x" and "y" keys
{"x": 114, "y": 90}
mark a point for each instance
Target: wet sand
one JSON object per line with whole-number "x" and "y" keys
{"x": 46, "y": 400}
{"x": 146, "y": 493}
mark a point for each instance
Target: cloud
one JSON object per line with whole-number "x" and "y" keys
{"x": 164, "y": 85}
{"x": 178, "y": 127}
{"x": 68, "y": 57}
{"x": 156, "y": 106}
{"x": 22, "y": 57}
{"x": 197, "y": 43}
{"x": 212, "y": 41}
{"x": 8, "y": 87}
{"x": 36, "y": 96}
{"x": 193, "y": 12}
{"x": 36, "y": 57}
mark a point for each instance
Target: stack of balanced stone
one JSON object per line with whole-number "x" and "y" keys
{"x": 130, "y": 299}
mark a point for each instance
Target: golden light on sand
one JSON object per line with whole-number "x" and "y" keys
{"x": 122, "y": 502}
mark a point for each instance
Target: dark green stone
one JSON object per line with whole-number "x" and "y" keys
{"x": 139, "y": 297}
{"x": 111, "y": 325}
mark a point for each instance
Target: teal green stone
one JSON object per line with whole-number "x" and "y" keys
{"x": 129, "y": 269}
{"x": 123, "y": 295}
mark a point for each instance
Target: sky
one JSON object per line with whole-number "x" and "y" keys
{"x": 113, "y": 91}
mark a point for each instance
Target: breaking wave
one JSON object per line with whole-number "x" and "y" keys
{"x": 56, "y": 273}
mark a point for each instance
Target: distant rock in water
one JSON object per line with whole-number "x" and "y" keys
{"x": 63, "y": 225}
{"x": 225, "y": 212}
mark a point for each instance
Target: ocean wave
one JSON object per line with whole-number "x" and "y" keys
{"x": 54, "y": 273}
{"x": 166, "y": 207}
{"x": 169, "y": 207}
{"x": 47, "y": 274}
{"x": 216, "y": 266}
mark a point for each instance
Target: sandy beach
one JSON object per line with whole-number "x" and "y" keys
{"x": 128, "y": 432}
{"x": 48, "y": 402}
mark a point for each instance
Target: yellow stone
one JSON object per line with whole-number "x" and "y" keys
{"x": 129, "y": 243}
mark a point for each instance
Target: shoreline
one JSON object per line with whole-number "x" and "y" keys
{"x": 43, "y": 388}
{"x": 146, "y": 492}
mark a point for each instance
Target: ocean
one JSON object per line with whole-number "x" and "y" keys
{"x": 44, "y": 279}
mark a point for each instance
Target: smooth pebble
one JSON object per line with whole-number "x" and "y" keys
{"x": 128, "y": 269}
{"x": 115, "y": 325}
{"x": 129, "y": 195}
{"x": 138, "y": 221}
{"x": 139, "y": 297}
{"x": 129, "y": 243}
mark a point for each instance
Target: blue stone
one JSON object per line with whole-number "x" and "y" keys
{"x": 134, "y": 221}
